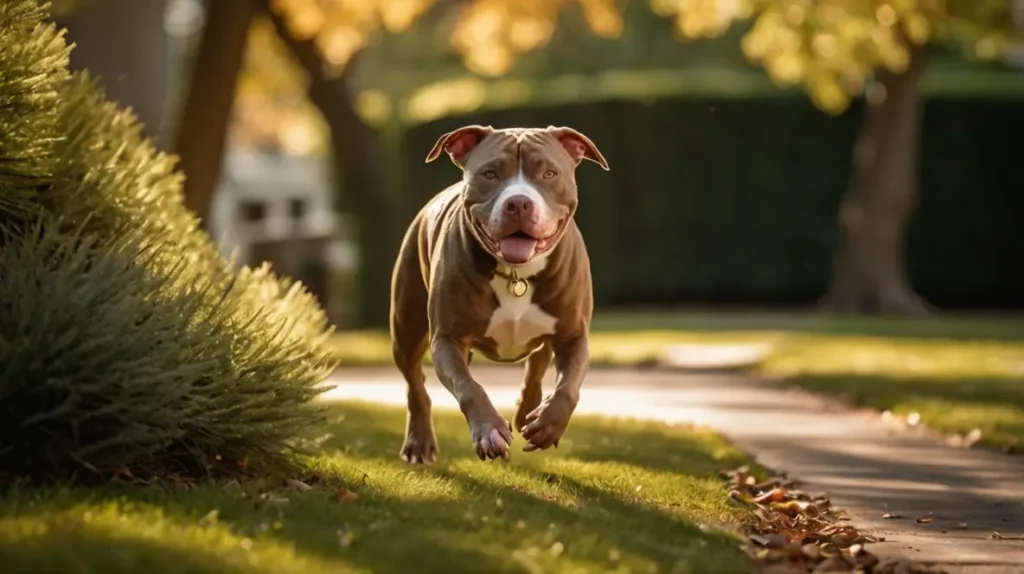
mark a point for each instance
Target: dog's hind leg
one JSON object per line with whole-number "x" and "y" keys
{"x": 409, "y": 326}
{"x": 532, "y": 393}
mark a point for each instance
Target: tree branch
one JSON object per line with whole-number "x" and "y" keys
{"x": 324, "y": 89}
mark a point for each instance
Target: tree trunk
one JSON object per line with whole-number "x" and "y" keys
{"x": 130, "y": 58}
{"x": 359, "y": 158}
{"x": 206, "y": 114}
{"x": 869, "y": 273}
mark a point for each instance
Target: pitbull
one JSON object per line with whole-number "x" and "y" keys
{"x": 495, "y": 264}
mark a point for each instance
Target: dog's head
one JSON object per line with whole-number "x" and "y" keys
{"x": 520, "y": 191}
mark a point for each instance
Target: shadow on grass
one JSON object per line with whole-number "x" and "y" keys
{"x": 688, "y": 551}
{"x": 84, "y": 550}
{"x": 994, "y": 406}
{"x": 574, "y": 508}
{"x": 640, "y": 444}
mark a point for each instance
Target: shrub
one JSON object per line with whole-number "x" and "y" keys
{"x": 126, "y": 341}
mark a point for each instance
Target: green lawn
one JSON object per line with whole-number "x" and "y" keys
{"x": 619, "y": 496}
{"x": 958, "y": 372}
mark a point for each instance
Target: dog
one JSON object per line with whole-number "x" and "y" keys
{"x": 495, "y": 264}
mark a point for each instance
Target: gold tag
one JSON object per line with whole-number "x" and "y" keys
{"x": 517, "y": 287}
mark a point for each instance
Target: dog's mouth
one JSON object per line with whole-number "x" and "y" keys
{"x": 520, "y": 247}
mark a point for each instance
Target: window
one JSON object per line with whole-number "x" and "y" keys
{"x": 296, "y": 208}
{"x": 253, "y": 211}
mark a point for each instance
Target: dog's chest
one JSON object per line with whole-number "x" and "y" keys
{"x": 517, "y": 321}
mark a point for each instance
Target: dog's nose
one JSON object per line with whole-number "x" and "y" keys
{"x": 519, "y": 207}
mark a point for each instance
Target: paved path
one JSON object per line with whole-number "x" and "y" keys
{"x": 866, "y": 467}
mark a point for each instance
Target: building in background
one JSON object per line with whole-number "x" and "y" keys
{"x": 273, "y": 204}
{"x": 277, "y": 208}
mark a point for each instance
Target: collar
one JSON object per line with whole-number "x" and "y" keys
{"x": 517, "y": 286}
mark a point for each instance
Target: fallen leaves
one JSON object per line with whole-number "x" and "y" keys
{"x": 773, "y": 495}
{"x": 768, "y": 540}
{"x": 346, "y": 495}
{"x": 275, "y": 496}
{"x": 298, "y": 485}
{"x": 793, "y": 532}
{"x": 340, "y": 494}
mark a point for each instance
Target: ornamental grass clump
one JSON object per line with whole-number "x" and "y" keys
{"x": 128, "y": 345}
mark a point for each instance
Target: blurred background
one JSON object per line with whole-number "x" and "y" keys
{"x": 855, "y": 156}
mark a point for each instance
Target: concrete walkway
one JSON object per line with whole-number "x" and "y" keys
{"x": 865, "y": 467}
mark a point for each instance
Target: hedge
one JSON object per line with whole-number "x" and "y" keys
{"x": 734, "y": 201}
{"x": 127, "y": 345}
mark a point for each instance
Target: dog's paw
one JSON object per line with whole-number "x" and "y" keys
{"x": 491, "y": 436}
{"x": 528, "y": 402}
{"x": 420, "y": 447}
{"x": 545, "y": 424}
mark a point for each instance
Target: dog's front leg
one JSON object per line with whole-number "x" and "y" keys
{"x": 546, "y": 423}
{"x": 491, "y": 434}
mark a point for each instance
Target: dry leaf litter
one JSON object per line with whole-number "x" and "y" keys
{"x": 793, "y": 532}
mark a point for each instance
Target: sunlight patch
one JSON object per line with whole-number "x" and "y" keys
{"x": 131, "y": 534}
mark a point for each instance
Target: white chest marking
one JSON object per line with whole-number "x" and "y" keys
{"x": 518, "y": 320}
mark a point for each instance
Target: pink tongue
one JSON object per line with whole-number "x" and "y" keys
{"x": 517, "y": 249}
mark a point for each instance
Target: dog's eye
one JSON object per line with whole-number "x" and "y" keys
{"x": 490, "y": 174}
{"x": 549, "y": 174}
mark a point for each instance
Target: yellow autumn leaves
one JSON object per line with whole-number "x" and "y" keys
{"x": 340, "y": 28}
{"x": 832, "y": 47}
{"x": 491, "y": 34}
{"x": 694, "y": 19}
{"x": 829, "y": 46}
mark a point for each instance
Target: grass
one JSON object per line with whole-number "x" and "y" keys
{"x": 959, "y": 373}
{"x": 955, "y": 385}
{"x": 617, "y": 496}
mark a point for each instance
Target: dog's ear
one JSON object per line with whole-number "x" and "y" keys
{"x": 578, "y": 146}
{"x": 459, "y": 143}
